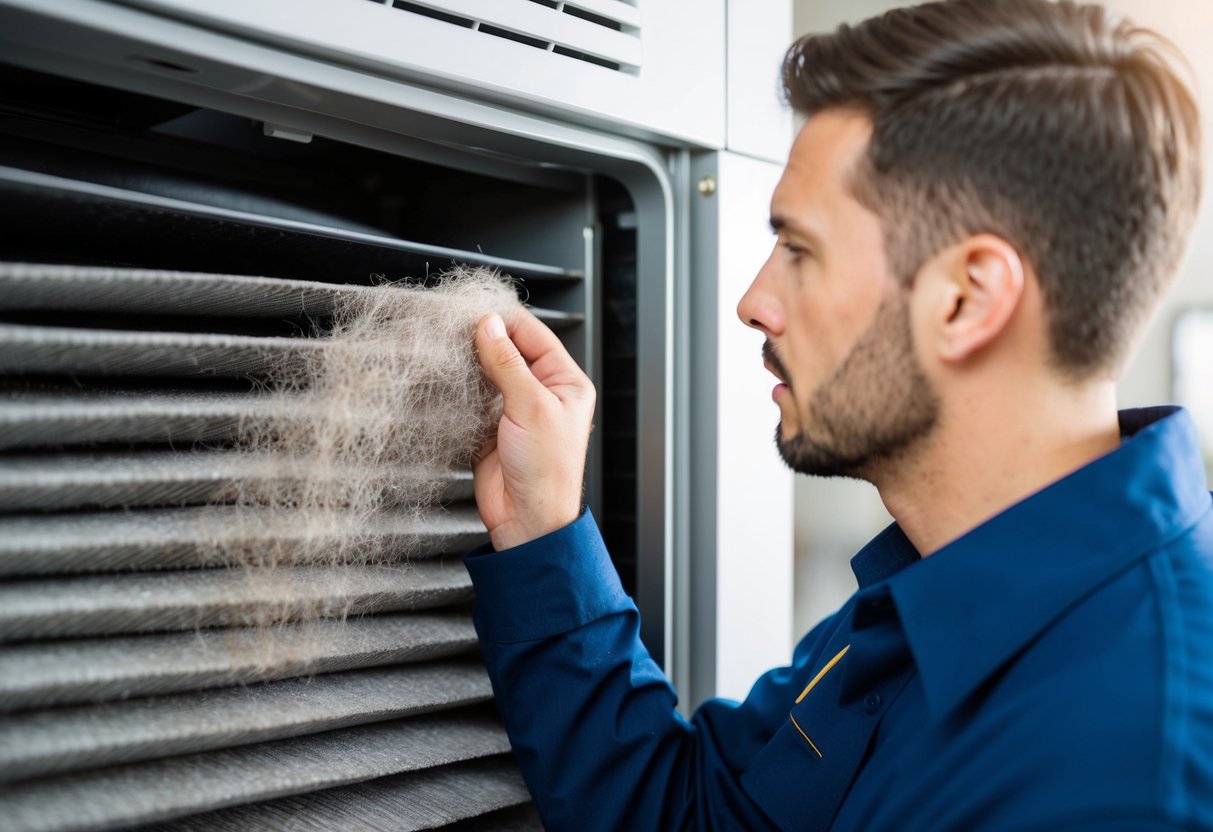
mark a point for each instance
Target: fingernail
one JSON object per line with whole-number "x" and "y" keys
{"x": 495, "y": 328}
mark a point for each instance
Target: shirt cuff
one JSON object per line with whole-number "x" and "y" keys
{"x": 551, "y": 585}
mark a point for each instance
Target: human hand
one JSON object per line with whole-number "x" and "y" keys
{"x": 528, "y": 477}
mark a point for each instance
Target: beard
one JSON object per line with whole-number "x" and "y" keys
{"x": 877, "y": 406}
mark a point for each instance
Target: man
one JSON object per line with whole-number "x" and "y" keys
{"x": 984, "y": 207}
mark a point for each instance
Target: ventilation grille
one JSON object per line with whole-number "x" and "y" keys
{"x": 601, "y": 32}
{"x": 133, "y": 689}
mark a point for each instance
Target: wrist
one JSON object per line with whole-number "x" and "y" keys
{"x": 515, "y": 533}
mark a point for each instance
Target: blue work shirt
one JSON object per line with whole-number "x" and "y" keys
{"x": 1051, "y": 669}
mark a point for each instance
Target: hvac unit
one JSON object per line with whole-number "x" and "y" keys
{"x": 187, "y": 191}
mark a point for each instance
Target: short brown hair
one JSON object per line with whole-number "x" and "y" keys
{"x": 1056, "y": 126}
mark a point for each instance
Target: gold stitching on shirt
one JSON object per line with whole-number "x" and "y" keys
{"x": 812, "y": 745}
{"x": 821, "y": 673}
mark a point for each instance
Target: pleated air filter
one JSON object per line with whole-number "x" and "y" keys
{"x": 219, "y": 611}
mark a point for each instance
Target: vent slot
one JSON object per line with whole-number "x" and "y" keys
{"x": 425, "y": 11}
{"x": 605, "y": 33}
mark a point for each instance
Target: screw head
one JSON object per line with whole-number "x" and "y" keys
{"x": 707, "y": 185}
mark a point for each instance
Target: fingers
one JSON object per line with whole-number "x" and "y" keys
{"x": 485, "y": 451}
{"x": 502, "y": 362}
{"x": 534, "y": 339}
{"x": 528, "y": 476}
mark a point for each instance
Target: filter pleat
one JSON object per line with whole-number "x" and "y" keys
{"x": 54, "y": 741}
{"x": 404, "y": 803}
{"x": 26, "y": 349}
{"x": 159, "y": 478}
{"x": 100, "y": 289}
{"x": 231, "y": 591}
{"x": 73, "y": 418}
{"x": 236, "y": 597}
{"x": 106, "y": 669}
{"x": 141, "y": 793}
{"x": 36, "y": 286}
{"x": 213, "y": 535}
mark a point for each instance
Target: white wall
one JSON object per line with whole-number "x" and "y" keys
{"x": 754, "y": 497}
{"x": 835, "y": 518}
{"x": 1190, "y": 25}
{"x": 741, "y": 494}
{"x": 758, "y": 32}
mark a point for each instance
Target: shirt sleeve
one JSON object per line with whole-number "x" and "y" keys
{"x": 590, "y": 715}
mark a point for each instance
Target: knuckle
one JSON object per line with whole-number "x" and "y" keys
{"x": 587, "y": 394}
{"x": 539, "y": 410}
{"x": 507, "y": 356}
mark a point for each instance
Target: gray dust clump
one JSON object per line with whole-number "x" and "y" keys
{"x": 364, "y": 441}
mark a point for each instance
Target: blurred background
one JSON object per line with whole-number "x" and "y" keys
{"x": 834, "y": 518}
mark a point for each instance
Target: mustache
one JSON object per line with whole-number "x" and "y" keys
{"x": 769, "y": 355}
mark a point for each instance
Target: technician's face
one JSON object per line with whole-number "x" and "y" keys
{"x": 852, "y": 391}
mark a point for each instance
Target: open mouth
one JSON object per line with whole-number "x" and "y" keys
{"x": 774, "y": 372}
{"x": 771, "y": 361}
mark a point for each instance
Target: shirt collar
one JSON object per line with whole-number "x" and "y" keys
{"x": 970, "y": 606}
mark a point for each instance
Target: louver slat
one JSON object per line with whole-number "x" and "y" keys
{"x": 141, "y": 603}
{"x": 141, "y": 793}
{"x": 234, "y": 238}
{"x": 618, "y": 10}
{"x": 40, "y": 743}
{"x": 404, "y": 803}
{"x": 150, "y": 479}
{"x": 102, "y": 670}
{"x": 198, "y": 537}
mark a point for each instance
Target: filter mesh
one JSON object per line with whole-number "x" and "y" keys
{"x": 224, "y": 601}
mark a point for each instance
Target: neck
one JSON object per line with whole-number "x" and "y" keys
{"x": 993, "y": 451}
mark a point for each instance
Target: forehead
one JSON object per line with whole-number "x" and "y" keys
{"x": 815, "y": 182}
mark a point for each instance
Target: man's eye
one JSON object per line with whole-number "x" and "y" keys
{"x": 795, "y": 251}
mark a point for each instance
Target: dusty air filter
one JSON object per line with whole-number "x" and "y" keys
{"x": 229, "y": 514}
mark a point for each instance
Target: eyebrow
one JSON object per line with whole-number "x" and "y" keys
{"x": 780, "y": 222}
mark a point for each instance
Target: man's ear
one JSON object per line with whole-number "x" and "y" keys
{"x": 978, "y": 285}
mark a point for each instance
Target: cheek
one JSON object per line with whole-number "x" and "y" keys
{"x": 832, "y": 302}
{"x": 921, "y": 335}
{"x": 825, "y": 330}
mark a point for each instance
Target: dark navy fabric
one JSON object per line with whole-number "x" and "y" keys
{"x": 1051, "y": 669}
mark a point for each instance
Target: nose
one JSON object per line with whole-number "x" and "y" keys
{"x": 759, "y": 307}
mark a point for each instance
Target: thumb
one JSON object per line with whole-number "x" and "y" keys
{"x": 502, "y": 362}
